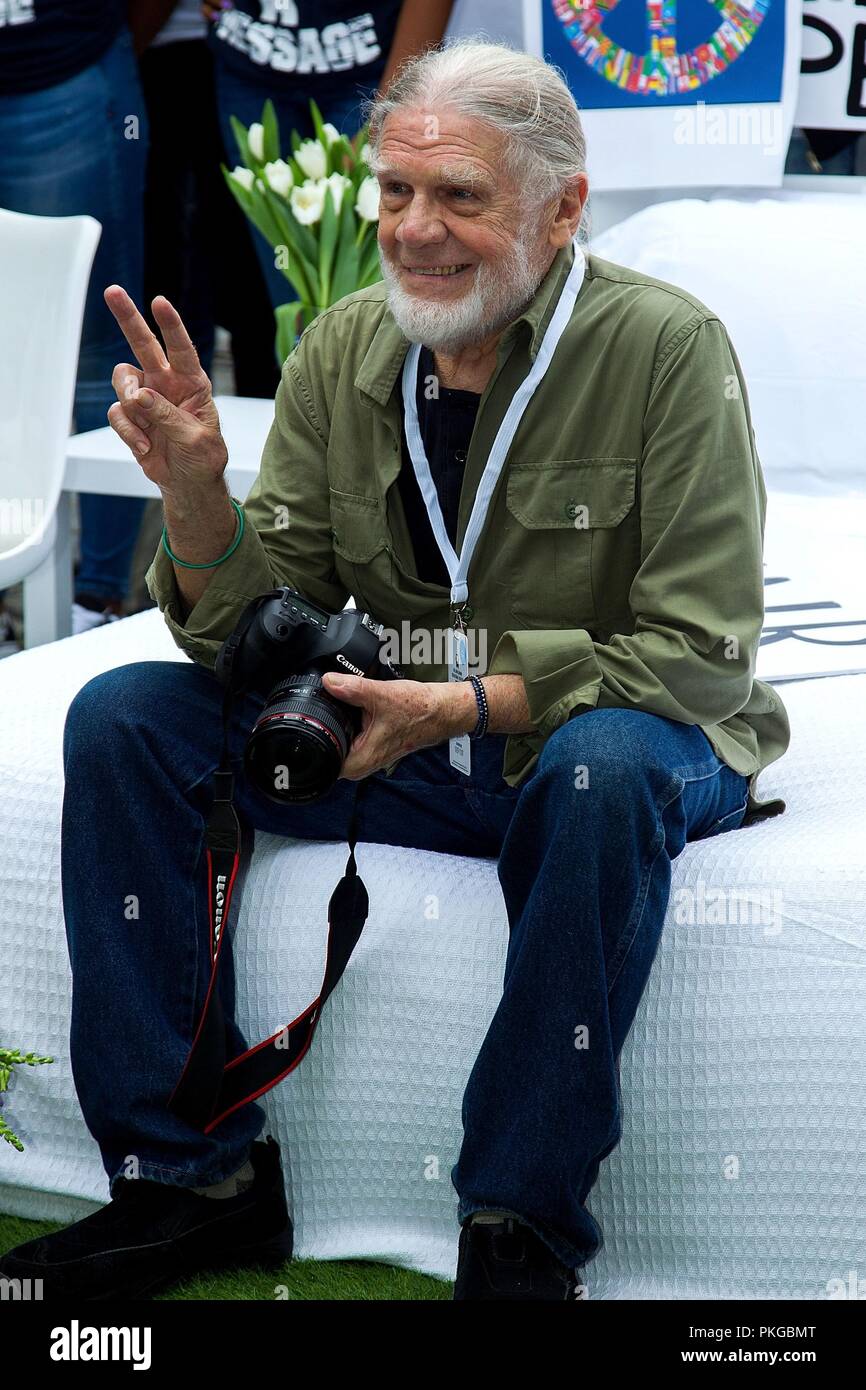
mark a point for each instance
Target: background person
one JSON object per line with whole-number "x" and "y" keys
{"x": 337, "y": 52}
{"x": 197, "y": 247}
{"x": 73, "y": 139}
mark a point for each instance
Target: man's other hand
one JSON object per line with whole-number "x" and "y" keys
{"x": 398, "y": 717}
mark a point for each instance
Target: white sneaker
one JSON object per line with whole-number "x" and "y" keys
{"x": 83, "y": 619}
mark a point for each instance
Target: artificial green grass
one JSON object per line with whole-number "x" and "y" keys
{"x": 344, "y": 1280}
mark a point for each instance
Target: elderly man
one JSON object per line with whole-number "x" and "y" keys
{"x": 510, "y": 437}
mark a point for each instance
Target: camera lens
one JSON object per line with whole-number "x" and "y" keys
{"x": 299, "y": 741}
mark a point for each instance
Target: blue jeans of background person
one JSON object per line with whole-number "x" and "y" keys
{"x": 235, "y": 97}
{"x": 585, "y": 872}
{"x": 197, "y": 245}
{"x": 72, "y": 149}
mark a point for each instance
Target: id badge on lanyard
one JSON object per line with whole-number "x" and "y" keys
{"x": 458, "y": 566}
{"x": 459, "y": 751}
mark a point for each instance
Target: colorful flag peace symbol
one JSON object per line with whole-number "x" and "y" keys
{"x": 662, "y": 70}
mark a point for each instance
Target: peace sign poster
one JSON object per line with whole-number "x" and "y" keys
{"x": 676, "y": 93}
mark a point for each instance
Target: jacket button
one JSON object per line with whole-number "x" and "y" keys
{"x": 571, "y": 510}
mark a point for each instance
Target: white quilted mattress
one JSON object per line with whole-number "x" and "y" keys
{"x": 742, "y": 1169}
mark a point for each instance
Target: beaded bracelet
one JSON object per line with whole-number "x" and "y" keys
{"x": 483, "y": 708}
{"x": 232, "y": 548}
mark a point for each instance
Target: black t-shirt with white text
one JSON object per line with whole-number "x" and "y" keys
{"x": 43, "y": 42}
{"x": 309, "y": 47}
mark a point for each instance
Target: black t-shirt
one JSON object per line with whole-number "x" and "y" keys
{"x": 306, "y": 47}
{"x": 43, "y": 42}
{"x": 446, "y": 426}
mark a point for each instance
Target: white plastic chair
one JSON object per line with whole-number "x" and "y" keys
{"x": 45, "y": 265}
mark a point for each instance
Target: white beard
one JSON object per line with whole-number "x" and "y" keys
{"x": 494, "y": 300}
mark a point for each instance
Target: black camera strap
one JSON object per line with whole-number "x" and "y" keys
{"x": 210, "y": 1087}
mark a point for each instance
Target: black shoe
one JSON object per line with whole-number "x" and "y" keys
{"x": 152, "y": 1233}
{"x": 506, "y": 1259}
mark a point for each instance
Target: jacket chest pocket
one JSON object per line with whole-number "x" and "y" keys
{"x": 556, "y": 512}
{"x": 360, "y": 540}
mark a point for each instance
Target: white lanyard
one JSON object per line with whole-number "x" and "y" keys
{"x": 458, "y": 567}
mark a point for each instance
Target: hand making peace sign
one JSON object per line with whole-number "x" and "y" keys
{"x": 164, "y": 410}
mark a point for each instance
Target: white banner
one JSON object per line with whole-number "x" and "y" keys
{"x": 676, "y": 93}
{"x": 814, "y": 588}
{"x": 832, "y": 92}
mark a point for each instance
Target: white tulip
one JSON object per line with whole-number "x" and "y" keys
{"x": 256, "y": 140}
{"x": 245, "y": 177}
{"x": 367, "y": 154}
{"x": 338, "y": 183}
{"x": 280, "y": 177}
{"x": 308, "y": 201}
{"x": 367, "y": 205}
{"x": 312, "y": 159}
{"x": 331, "y": 133}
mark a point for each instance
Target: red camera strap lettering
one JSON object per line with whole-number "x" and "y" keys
{"x": 210, "y": 1087}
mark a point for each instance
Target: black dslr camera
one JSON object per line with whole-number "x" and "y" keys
{"x": 281, "y": 648}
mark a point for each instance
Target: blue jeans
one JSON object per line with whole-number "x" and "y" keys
{"x": 65, "y": 150}
{"x": 585, "y": 874}
{"x": 235, "y": 97}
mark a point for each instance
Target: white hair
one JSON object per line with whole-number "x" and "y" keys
{"x": 525, "y": 98}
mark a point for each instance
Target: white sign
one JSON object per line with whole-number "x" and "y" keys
{"x": 832, "y": 91}
{"x": 814, "y": 588}
{"x": 676, "y": 93}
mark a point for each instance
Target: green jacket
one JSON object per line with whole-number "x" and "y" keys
{"x": 621, "y": 560}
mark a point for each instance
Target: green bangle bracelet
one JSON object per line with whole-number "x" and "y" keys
{"x": 233, "y": 547}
